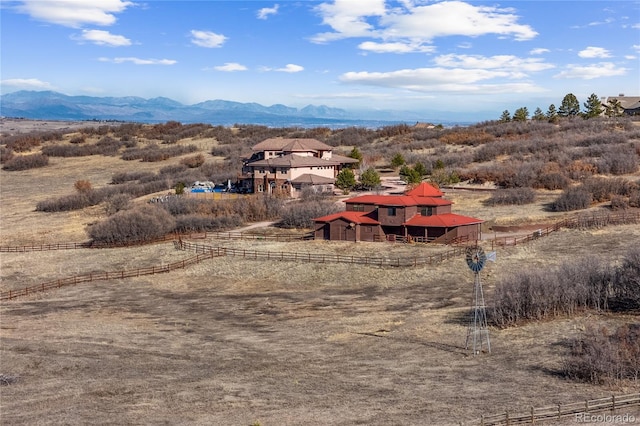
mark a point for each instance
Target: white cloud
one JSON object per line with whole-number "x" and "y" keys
{"x": 419, "y": 24}
{"x": 207, "y": 38}
{"x": 26, "y": 83}
{"x": 290, "y": 68}
{"x": 396, "y": 47}
{"x": 230, "y": 67}
{"x": 348, "y": 18}
{"x": 630, "y": 57}
{"x": 435, "y": 79}
{"x": 590, "y": 72}
{"x": 139, "y": 61}
{"x": 103, "y": 38}
{"x": 636, "y": 47}
{"x": 538, "y": 51}
{"x": 266, "y": 11}
{"x": 513, "y": 64}
{"x": 74, "y": 13}
{"x": 594, "y": 52}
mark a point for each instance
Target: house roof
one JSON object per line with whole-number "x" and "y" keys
{"x": 360, "y": 218}
{"x": 292, "y": 160}
{"x": 291, "y": 145}
{"x": 446, "y": 220}
{"x": 398, "y": 200}
{"x": 626, "y": 102}
{"x": 311, "y": 179}
{"x": 425, "y": 190}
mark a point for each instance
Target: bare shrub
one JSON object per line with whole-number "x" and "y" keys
{"x": 77, "y": 139}
{"x": 620, "y": 161}
{"x": 537, "y": 294}
{"x": 619, "y": 203}
{"x": 25, "y": 162}
{"x": 602, "y": 189}
{"x": 573, "y": 198}
{"x": 154, "y": 153}
{"x": 634, "y": 198}
{"x": 130, "y": 176}
{"x": 116, "y": 203}
{"x": 511, "y": 196}
{"x": 6, "y": 154}
{"x": 552, "y": 181}
{"x": 627, "y": 282}
{"x": 8, "y": 379}
{"x": 301, "y": 214}
{"x": 22, "y": 143}
{"x": 143, "y": 223}
{"x": 601, "y": 357}
{"x": 193, "y": 161}
{"x": 83, "y": 186}
{"x": 199, "y": 222}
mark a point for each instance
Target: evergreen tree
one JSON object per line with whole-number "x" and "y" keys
{"x": 570, "y": 107}
{"x": 613, "y": 108}
{"x": 370, "y": 178}
{"x": 356, "y": 154}
{"x": 397, "y": 161}
{"x": 346, "y": 179}
{"x": 552, "y": 114}
{"x": 420, "y": 168}
{"x": 593, "y": 107}
{"x": 505, "y": 117}
{"x": 538, "y": 115}
{"x": 410, "y": 175}
{"x": 521, "y": 114}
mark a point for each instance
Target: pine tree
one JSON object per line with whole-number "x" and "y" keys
{"x": 505, "y": 117}
{"x": 552, "y": 114}
{"x": 410, "y": 175}
{"x": 346, "y": 179}
{"x": 521, "y": 114}
{"x": 538, "y": 115}
{"x": 593, "y": 107}
{"x": 356, "y": 154}
{"x": 570, "y": 107}
{"x": 397, "y": 161}
{"x": 370, "y": 178}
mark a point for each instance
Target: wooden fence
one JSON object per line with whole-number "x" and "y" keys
{"x": 583, "y": 412}
{"x": 323, "y": 258}
{"x": 101, "y": 276}
{"x": 583, "y": 221}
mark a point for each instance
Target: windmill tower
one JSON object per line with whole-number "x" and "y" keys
{"x": 478, "y": 332}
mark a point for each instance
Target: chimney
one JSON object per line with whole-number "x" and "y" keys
{"x": 621, "y": 95}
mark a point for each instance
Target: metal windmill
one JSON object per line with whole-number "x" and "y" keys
{"x": 478, "y": 332}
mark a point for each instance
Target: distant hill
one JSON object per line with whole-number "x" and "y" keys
{"x": 48, "y": 105}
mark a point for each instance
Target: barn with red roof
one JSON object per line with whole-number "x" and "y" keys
{"x": 421, "y": 214}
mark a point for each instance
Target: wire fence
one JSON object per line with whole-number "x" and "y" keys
{"x": 583, "y": 412}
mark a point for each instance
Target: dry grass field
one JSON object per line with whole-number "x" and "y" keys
{"x": 234, "y": 341}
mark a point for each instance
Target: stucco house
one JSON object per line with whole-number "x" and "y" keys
{"x": 630, "y": 105}
{"x": 421, "y": 214}
{"x": 287, "y": 166}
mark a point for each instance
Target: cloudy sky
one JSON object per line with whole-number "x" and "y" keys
{"x": 477, "y": 57}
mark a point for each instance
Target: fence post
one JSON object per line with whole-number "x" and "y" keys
{"x": 613, "y": 403}
{"x": 482, "y": 420}
{"x": 559, "y": 412}
{"x": 586, "y": 406}
{"x": 506, "y": 417}
{"x": 533, "y": 417}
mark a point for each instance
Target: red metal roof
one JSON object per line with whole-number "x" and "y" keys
{"x": 360, "y": 218}
{"x": 447, "y": 220}
{"x": 425, "y": 190}
{"x": 398, "y": 200}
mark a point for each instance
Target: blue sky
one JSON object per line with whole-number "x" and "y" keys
{"x": 474, "y": 57}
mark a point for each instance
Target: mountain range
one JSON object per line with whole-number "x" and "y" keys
{"x": 49, "y": 105}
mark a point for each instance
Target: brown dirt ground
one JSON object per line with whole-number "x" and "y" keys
{"x": 233, "y": 341}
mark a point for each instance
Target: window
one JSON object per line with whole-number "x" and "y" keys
{"x": 368, "y": 228}
{"x": 357, "y": 207}
{"x": 391, "y": 211}
{"x": 426, "y": 211}
{"x": 260, "y": 188}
